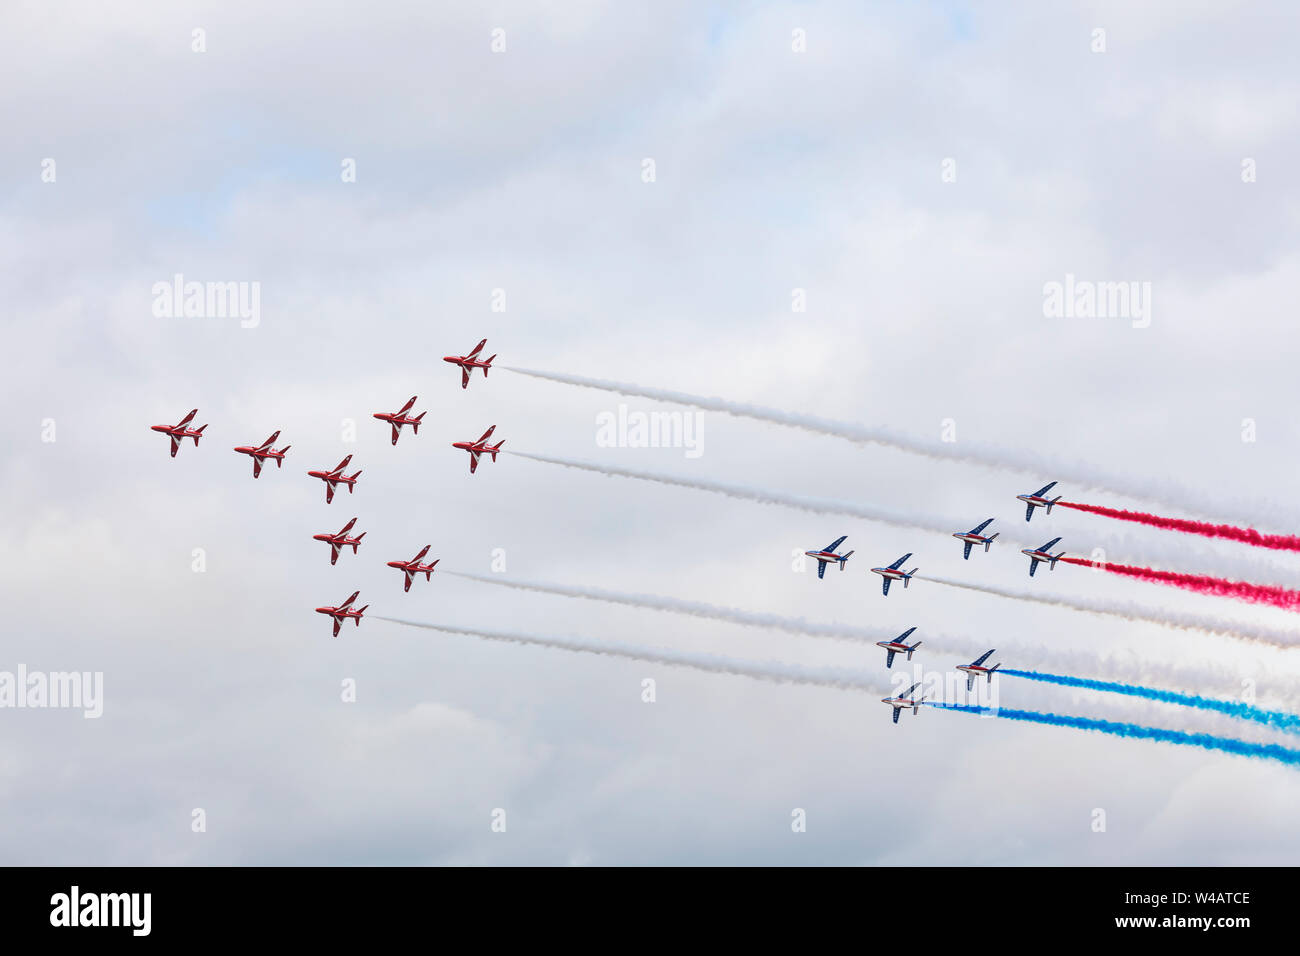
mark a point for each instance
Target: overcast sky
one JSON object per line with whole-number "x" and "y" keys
{"x": 920, "y": 170}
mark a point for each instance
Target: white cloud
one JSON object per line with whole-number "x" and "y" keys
{"x": 522, "y": 171}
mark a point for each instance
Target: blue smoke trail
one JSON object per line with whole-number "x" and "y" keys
{"x": 1230, "y": 745}
{"x": 1273, "y": 718}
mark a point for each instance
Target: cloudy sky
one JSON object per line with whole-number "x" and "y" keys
{"x": 649, "y": 190}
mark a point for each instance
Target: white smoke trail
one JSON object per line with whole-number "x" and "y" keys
{"x": 823, "y": 506}
{"x": 1025, "y": 654}
{"x": 713, "y": 612}
{"x": 1274, "y": 637}
{"x": 1078, "y": 473}
{"x": 1144, "y": 555}
{"x": 773, "y": 672}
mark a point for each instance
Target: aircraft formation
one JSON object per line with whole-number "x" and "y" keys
{"x": 412, "y": 568}
{"x": 333, "y": 477}
{"x": 907, "y": 699}
{"x": 894, "y": 572}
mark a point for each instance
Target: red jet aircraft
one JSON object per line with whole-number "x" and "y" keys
{"x": 413, "y": 567}
{"x": 336, "y": 477}
{"x": 398, "y": 418}
{"x": 470, "y": 362}
{"x": 178, "y": 431}
{"x": 341, "y": 540}
{"x": 476, "y": 448}
{"x": 263, "y": 452}
{"x": 343, "y": 612}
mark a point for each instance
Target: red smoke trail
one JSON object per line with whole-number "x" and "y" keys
{"x": 1203, "y": 584}
{"x": 1260, "y": 539}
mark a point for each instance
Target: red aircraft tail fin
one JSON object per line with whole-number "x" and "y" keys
{"x": 198, "y": 432}
{"x": 496, "y": 448}
{"x": 279, "y": 462}
{"x": 357, "y": 541}
{"x": 360, "y": 611}
{"x": 352, "y": 481}
{"x": 487, "y": 365}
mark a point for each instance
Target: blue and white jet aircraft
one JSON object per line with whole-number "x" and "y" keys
{"x": 976, "y": 667}
{"x": 828, "y": 555}
{"x": 1042, "y": 553}
{"x": 892, "y": 573}
{"x": 905, "y": 700}
{"x": 1036, "y": 500}
{"x": 973, "y": 536}
{"x": 898, "y": 646}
